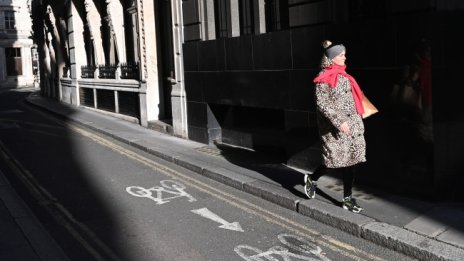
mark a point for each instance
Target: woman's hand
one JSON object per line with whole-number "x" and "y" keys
{"x": 345, "y": 128}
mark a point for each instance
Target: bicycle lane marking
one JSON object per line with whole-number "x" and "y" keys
{"x": 297, "y": 228}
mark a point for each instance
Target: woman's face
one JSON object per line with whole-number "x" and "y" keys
{"x": 340, "y": 59}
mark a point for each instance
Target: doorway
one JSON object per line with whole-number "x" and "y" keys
{"x": 165, "y": 51}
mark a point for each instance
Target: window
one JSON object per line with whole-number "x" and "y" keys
{"x": 221, "y": 13}
{"x": 13, "y": 61}
{"x": 276, "y": 15}
{"x": 246, "y": 17}
{"x": 10, "y": 23}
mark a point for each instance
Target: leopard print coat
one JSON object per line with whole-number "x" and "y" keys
{"x": 334, "y": 106}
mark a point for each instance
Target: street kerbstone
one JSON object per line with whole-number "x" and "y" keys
{"x": 410, "y": 243}
{"x": 189, "y": 164}
{"x": 272, "y": 193}
{"x": 334, "y": 216}
{"x": 162, "y": 155}
{"x": 386, "y": 235}
{"x": 227, "y": 177}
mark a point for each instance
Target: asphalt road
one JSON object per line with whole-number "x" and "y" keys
{"x": 103, "y": 200}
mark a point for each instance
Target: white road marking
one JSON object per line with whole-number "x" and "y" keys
{"x": 170, "y": 187}
{"x": 302, "y": 230}
{"x": 206, "y": 213}
{"x": 296, "y": 248}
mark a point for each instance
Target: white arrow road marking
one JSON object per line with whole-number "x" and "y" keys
{"x": 206, "y": 213}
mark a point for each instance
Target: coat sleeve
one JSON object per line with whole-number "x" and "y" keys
{"x": 327, "y": 103}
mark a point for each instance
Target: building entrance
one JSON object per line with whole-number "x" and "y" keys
{"x": 166, "y": 69}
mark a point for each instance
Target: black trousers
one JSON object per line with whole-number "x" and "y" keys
{"x": 346, "y": 172}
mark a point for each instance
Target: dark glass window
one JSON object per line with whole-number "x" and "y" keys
{"x": 276, "y": 15}
{"x": 247, "y": 25}
{"x": 10, "y": 23}
{"x": 221, "y": 13}
{"x": 14, "y": 65}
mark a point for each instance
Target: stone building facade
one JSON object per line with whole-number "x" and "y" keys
{"x": 240, "y": 72}
{"x": 16, "y": 44}
{"x": 104, "y": 55}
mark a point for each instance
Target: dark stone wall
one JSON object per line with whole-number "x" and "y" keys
{"x": 256, "y": 91}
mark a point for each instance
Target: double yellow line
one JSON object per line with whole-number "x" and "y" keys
{"x": 76, "y": 228}
{"x": 297, "y": 228}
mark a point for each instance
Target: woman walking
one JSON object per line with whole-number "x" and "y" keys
{"x": 339, "y": 117}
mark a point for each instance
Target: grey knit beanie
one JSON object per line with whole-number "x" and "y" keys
{"x": 334, "y": 50}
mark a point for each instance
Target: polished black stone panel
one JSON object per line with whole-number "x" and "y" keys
{"x": 197, "y": 114}
{"x": 203, "y": 123}
{"x": 254, "y": 127}
{"x": 194, "y": 86}
{"x": 190, "y": 12}
{"x": 272, "y": 51}
{"x": 408, "y": 32}
{"x": 301, "y": 90}
{"x": 295, "y": 121}
{"x": 378, "y": 91}
{"x": 309, "y": 13}
{"x": 254, "y": 89}
{"x": 190, "y": 56}
{"x": 301, "y": 139}
{"x": 307, "y": 47}
{"x": 211, "y": 55}
{"x": 370, "y": 44}
{"x": 239, "y": 53}
{"x": 198, "y": 134}
{"x": 192, "y": 32}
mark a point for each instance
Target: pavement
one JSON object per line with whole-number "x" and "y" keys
{"x": 422, "y": 229}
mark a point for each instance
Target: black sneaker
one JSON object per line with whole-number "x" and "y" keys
{"x": 310, "y": 187}
{"x": 350, "y": 204}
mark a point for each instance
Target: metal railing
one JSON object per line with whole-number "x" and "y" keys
{"x": 107, "y": 71}
{"x": 129, "y": 70}
{"x": 88, "y": 71}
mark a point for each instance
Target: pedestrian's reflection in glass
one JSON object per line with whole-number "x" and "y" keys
{"x": 411, "y": 108}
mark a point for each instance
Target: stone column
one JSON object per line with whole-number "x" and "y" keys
{"x": 55, "y": 47}
{"x": 116, "y": 20}
{"x": 2, "y": 65}
{"x": 77, "y": 55}
{"x": 260, "y": 16}
{"x": 149, "y": 91}
{"x": 234, "y": 18}
{"x": 207, "y": 20}
{"x": 178, "y": 94}
{"x": 94, "y": 24}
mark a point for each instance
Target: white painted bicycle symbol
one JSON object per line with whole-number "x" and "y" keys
{"x": 296, "y": 248}
{"x": 172, "y": 188}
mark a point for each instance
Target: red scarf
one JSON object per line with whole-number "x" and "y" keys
{"x": 330, "y": 76}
